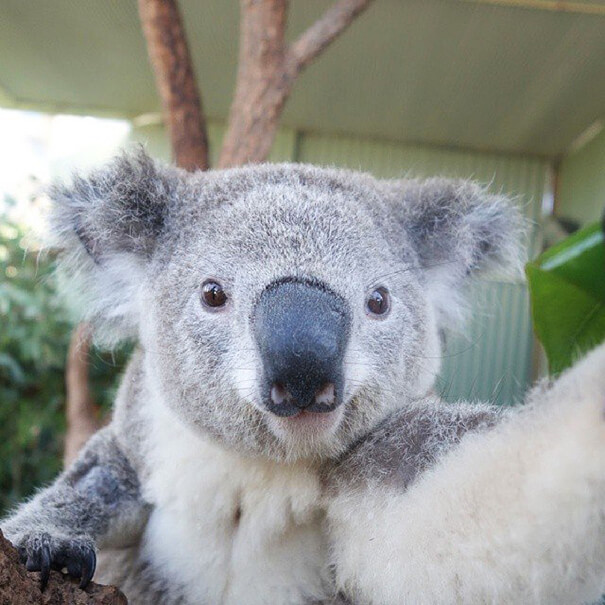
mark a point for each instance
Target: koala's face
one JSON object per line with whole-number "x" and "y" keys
{"x": 286, "y": 315}
{"x": 285, "y": 310}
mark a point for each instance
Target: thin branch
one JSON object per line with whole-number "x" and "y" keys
{"x": 268, "y": 69}
{"x": 81, "y": 411}
{"x": 261, "y": 88}
{"x": 324, "y": 31}
{"x": 175, "y": 80}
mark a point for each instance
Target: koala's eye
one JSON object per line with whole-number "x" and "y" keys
{"x": 213, "y": 294}
{"x": 379, "y": 301}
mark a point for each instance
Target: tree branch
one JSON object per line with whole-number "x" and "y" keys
{"x": 261, "y": 88}
{"x": 268, "y": 69}
{"x": 324, "y": 31}
{"x": 81, "y": 412}
{"x": 175, "y": 81}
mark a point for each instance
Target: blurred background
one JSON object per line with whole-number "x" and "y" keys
{"x": 508, "y": 92}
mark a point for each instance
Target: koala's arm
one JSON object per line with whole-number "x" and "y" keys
{"x": 511, "y": 514}
{"x": 95, "y": 502}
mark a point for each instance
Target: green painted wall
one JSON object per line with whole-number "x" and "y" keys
{"x": 493, "y": 359}
{"x": 581, "y": 190}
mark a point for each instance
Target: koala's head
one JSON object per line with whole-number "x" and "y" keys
{"x": 282, "y": 309}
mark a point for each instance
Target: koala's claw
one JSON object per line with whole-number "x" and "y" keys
{"x": 88, "y": 568}
{"x": 39, "y": 560}
{"x": 41, "y": 552}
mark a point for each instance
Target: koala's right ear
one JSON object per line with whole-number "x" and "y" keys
{"x": 105, "y": 227}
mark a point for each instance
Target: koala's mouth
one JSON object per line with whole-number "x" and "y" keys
{"x": 306, "y": 424}
{"x": 282, "y": 403}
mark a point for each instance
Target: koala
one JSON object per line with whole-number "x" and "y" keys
{"x": 276, "y": 438}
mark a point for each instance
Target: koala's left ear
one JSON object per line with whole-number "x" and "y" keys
{"x": 457, "y": 228}
{"x": 105, "y": 227}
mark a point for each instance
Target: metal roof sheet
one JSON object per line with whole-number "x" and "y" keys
{"x": 446, "y": 72}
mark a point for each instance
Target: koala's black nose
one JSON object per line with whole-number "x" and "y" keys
{"x": 302, "y": 331}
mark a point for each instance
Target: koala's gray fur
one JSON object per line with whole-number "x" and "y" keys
{"x": 195, "y": 493}
{"x": 408, "y": 442}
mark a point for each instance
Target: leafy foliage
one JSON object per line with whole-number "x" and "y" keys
{"x": 34, "y": 337}
{"x": 567, "y": 287}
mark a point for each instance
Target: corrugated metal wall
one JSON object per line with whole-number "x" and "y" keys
{"x": 493, "y": 359}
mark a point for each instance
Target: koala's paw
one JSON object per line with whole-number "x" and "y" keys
{"x": 42, "y": 552}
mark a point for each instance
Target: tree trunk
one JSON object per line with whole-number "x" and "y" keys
{"x": 81, "y": 411}
{"x": 267, "y": 70}
{"x": 262, "y": 85}
{"x": 175, "y": 81}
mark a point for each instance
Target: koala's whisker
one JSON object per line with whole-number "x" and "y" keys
{"x": 381, "y": 389}
{"x": 356, "y": 362}
{"x": 411, "y": 268}
{"x": 249, "y": 388}
{"x": 390, "y": 274}
{"x": 471, "y": 346}
{"x": 445, "y": 356}
{"x": 450, "y": 261}
{"x": 497, "y": 390}
{"x": 359, "y": 363}
{"x": 436, "y": 377}
{"x": 96, "y": 355}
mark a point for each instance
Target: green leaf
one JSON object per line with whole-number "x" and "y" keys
{"x": 567, "y": 289}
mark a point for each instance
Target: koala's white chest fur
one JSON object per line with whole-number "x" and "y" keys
{"x": 231, "y": 529}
